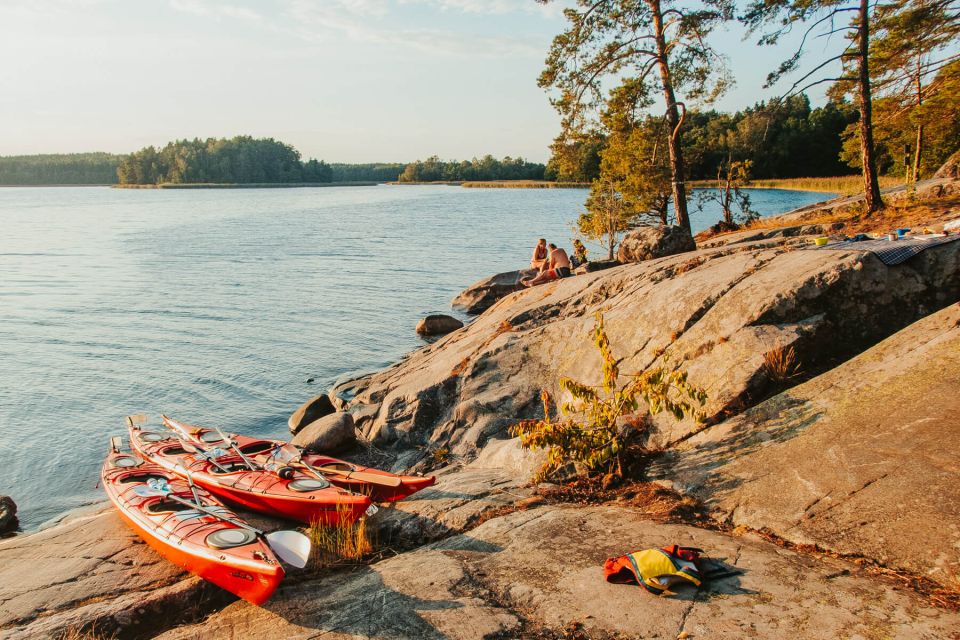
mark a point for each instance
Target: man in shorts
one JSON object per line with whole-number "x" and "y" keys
{"x": 559, "y": 267}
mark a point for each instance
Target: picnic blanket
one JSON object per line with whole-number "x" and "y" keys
{"x": 891, "y": 252}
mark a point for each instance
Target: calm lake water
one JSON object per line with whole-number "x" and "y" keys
{"x": 216, "y": 306}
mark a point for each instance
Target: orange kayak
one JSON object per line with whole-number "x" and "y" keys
{"x": 298, "y": 496}
{"x": 217, "y": 551}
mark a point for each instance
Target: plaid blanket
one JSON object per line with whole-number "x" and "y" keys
{"x": 891, "y": 252}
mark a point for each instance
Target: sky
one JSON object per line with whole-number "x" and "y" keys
{"x": 341, "y": 80}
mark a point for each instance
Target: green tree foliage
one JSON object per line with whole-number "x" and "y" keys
{"x": 73, "y": 168}
{"x": 575, "y": 157}
{"x": 635, "y": 162}
{"x": 599, "y": 425}
{"x": 370, "y": 172}
{"x": 239, "y": 160}
{"x": 607, "y": 215}
{"x": 783, "y": 139}
{"x": 649, "y": 47}
{"x": 822, "y": 16}
{"x": 936, "y": 122}
{"x": 912, "y": 44}
{"x": 433, "y": 169}
{"x": 733, "y": 176}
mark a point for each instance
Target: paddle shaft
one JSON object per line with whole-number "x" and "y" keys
{"x": 233, "y": 444}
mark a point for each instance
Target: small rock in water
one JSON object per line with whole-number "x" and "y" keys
{"x": 438, "y": 324}
{"x": 309, "y": 380}
{"x": 8, "y": 514}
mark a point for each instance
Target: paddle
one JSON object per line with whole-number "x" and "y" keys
{"x": 290, "y": 546}
{"x": 293, "y": 455}
{"x": 136, "y": 419}
{"x": 233, "y": 444}
{"x": 207, "y": 454}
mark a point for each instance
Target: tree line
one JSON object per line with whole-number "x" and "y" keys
{"x": 786, "y": 139}
{"x": 238, "y": 160}
{"x": 433, "y": 169}
{"x": 68, "y": 168}
{"x": 625, "y": 76}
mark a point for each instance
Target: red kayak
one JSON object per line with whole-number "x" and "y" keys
{"x": 297, "y": 496}
{"x": 218, "y": 551}
{"x": 381, "y": 486}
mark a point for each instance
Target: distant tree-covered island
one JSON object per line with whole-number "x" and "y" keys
{"x": 238, "y": 160}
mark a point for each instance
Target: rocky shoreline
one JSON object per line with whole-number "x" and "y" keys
{"x": 832, "y": 487}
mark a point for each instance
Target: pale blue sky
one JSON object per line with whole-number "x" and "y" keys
{"x": 341, "y": 80}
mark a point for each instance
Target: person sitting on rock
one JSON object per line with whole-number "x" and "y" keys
{"x": 579, "y": 254}
{"x": 539, "y": 259}
{"x": 558, "y": 267}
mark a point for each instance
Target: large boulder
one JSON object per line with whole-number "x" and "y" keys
{"x": 329, "y": 434}
{"x": 438, "y": 324}
{"x": 481, "y": 295}
{"x": 8, "y": 515}
{"x": 310, "y": 411}
{"x": 649, "y": 242}
{"x": 950, "y": 168}
{"x": 717, "y": 312}
{"x": 862, "y": 460}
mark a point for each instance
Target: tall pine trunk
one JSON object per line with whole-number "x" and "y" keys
{"x": 918, "y": 150}
{"x": 871, "y": 186}
{"x": 673, "y": 120}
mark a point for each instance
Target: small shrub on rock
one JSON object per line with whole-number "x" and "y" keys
{"x": 600, "y": 425}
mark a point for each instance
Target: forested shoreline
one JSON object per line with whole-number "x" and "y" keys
{"x": 59, "y": 169}
{"x": 777, "y": 140}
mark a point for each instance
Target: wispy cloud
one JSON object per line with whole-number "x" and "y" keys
{"x": 373, "y": 22}
{"x": 492, "y": 7}
{"x": 215, "y": 10}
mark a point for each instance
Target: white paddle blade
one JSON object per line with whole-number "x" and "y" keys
{"x": 291, "y": 546}
{"x": 136, "y": 419}
{"x": 179, "y": 427}
{"x": 144, "y": 491}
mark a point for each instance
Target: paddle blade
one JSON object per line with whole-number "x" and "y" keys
{"x": 179, "y": 427}
{"x": 186, "y": 446}
{"x": 144, "y": 491}
{"x": 290, "y": 546}
{"x": 136, "y": 419}
{"x": 372, "y": 478}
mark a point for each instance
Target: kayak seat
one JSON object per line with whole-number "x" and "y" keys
{"x": 231, "y": 467}
{"x": 141, "y": 478}
{"x": 257, "y": 447}
{"x": 167, "y": 506}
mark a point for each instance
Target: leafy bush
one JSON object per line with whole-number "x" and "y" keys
{"x": 599, "y": 425}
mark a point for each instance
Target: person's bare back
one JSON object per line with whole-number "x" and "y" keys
{"x": 559, "y": 258}
{"x": 557, "y": 267}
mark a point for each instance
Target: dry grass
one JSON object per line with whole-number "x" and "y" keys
{"x": 841, "y": 185}
{"x": 524, "y": 184}
{"x": 345, "y": 542}
{"x": 654, "y": 500}
{"x": 439, "y": 455}
{"x": 781, "y": 365}
{"x": 74, "y": 633}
